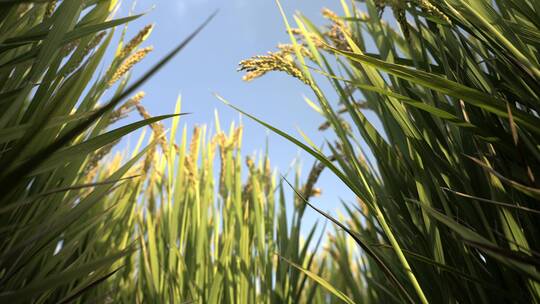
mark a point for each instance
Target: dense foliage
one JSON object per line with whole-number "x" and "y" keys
{"x": 53, "y": 132}
{"x": 448, "y": 204}
{"x": 445, "y": 177}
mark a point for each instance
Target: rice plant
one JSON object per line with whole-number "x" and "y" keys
{"x": 447, "y": 190}
{"x": 54, "y": 130}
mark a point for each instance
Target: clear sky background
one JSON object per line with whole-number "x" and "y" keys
{"x": 241, "y": 29}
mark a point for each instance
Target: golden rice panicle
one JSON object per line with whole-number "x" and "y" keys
{"x": 309, "y": 189}
{"x": 303, "y": 36}
{"x": 194, "y": 143}
{"x": 140, "y": 108}
{"x": 289, "y": 49}
{"x": 331, "y": 15}
{"x": 337, "y": 37}
{"x": 127, "y": 107}
{"x": 192, "y": 157}
{"x": 189, "y": 170}
{"x": 257, "y": 66}
{"x": 336, "y": 20}
{"x": 433, "y": 10}
{"x": 157, "y": 127}
{"x": 136, "y": 99}
{"x": 126, "y": 66}
{"x": 236, "y": 140}
{"x": 136, "y": 41}
{"x": 220, "y": 140}
{"x": 295, "y": 31}
{"x": 338, "y": 30}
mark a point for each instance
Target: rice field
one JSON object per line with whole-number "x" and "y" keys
{"x": 446, "y": 190}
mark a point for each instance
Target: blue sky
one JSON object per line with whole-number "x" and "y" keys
{"x": 241, "y": 29}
